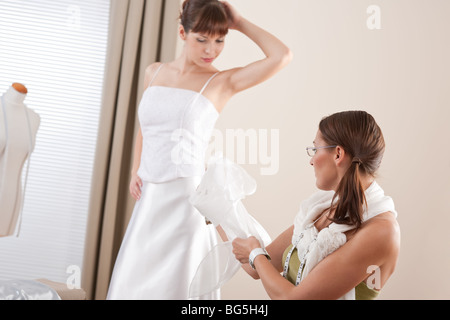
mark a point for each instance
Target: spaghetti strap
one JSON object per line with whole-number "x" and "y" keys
{"x": 156, "y": 73}
{"x": 207, "y": 83}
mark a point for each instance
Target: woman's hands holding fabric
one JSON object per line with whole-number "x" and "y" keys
{"x": 243, "y": 247}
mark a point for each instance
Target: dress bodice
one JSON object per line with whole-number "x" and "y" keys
{"x": 176, "y": 126}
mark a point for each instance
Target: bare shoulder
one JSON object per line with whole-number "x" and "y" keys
{"x": 150, "y": 73}
{"x": 382, "y": 233}
{"x": 151, "y": 69}
{"x": 153, "y": 66}
{"x": 385, "y": 225}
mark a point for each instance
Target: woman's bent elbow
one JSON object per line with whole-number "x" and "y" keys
{"x": 289, "y": 55}
{"x": 286, "y": 57}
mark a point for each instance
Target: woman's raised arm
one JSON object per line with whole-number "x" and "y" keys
{"x": 278, "y": 55}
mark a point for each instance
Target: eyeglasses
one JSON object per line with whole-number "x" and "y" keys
{"x": 311, "y": 151}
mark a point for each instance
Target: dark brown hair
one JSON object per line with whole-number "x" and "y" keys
{"x": 360, "y": 136}
{"x": 204, "y": 16}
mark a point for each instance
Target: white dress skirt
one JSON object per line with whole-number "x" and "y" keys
{"x": 165, "y": 242}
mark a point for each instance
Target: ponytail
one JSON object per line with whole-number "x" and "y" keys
{"x": 359, "y": 135}
{"x": 351, "y": 199}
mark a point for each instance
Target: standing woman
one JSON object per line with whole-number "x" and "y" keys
{"x": 167, "y": 238}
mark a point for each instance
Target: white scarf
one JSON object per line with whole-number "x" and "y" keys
{"x": 314, "y": 246}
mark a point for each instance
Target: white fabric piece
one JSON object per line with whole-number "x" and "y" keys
{"x": 218, "y": 198}
{"x": 26, "y": 290}
{"x": 330, "y": 239}
{"x": 165, "y": 242}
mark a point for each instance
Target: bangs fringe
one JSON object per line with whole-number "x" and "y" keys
{"x": 212, "y": 22}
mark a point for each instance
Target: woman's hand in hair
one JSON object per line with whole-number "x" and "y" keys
{"x": 234, "y": 17}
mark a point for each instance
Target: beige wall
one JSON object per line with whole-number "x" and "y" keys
{"x": 399, "y": 74}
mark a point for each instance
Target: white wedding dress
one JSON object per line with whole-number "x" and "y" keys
{"x": 167, "y": 238}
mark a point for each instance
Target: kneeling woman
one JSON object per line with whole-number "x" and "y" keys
{"x": 345, "y": 240}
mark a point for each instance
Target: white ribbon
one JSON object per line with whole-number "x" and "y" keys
{"x": 218, "y": 198}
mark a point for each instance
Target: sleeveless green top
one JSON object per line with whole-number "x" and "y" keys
{"x": 362, "y": 291}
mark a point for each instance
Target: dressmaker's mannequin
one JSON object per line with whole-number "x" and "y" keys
{"x": 18, "y": 128}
